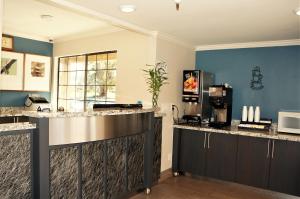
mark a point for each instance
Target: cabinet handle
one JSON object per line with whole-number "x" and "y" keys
{"x": 268, "y": 155}
{"x": 273, "y": 149}
{"x": 14, "y": 119}
{"x": 204, "y": 140}
{"x": 208, "y": 140}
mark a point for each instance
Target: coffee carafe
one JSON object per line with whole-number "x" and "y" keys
{"x": 220, "y": 99}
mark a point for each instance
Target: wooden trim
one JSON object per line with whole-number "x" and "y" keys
{"x": 12, "y": 43}
{"x": 260, "y": 44}
{"x": 88, "y": 54}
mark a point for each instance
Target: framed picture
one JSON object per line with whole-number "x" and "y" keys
{"x": 7, "y": 42}
{"x": 37, "y": 73}
{"x": 11, "y": 74}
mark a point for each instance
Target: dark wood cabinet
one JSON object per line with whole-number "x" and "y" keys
{"x": 253, "y": 161}
{"x": 206, "y": 154}
{"x": 221, "y": 156}
{"x": 258, "y": 162}
{"x": 285, "y": 167}
{"x": 192, "y": 152}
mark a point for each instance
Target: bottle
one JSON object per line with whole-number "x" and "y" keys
{"x": 257, "y": 114}
{"x": 250, "y": 114}
{"x": 244, "y": 114}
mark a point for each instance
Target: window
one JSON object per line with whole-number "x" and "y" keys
{"x": 86, "y": 79}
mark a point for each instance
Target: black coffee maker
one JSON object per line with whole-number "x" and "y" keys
{"x": 220, "y": 98}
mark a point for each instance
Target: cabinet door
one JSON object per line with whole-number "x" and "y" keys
{"x": 192, "y": 152}
{"x": 16, "y": 166}
{"x": 221, "y": 156}
{"x": 285, "y": 167}
{"x": 93, "y": 170}
{"x": 64, "y": 172}
{"x": 116, "y": 168}
{"x": 135, "y": 162}
{"x": 253, "y": 161}
{"x": 157, "y": 149}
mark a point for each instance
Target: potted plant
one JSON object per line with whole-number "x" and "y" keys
{"x": 156, "y": 77}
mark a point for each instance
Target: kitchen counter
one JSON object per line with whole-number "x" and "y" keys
{"x": 16, "y": 126}
{"x": 35, "y": 114}
{"x": 235, "y": 131}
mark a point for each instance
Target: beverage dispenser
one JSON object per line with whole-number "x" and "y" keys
{"x": 195, "y": 95}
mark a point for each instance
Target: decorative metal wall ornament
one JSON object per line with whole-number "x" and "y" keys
{"x": 256, "y": 82}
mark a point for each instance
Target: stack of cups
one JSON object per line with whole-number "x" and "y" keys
{"x": 249, "y": 115}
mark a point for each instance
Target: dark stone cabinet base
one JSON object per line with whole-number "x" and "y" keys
{"x": 157, "y": 148}
{"x": 110, "y": 168}
{"x": 135, "y": 162}
{"x": 103, "y": 169}
{"x": 116, "y": 167}
{"x": 64, "y": 171}
{"x": 93, "y": 170}
{"x": 15, "y": 165}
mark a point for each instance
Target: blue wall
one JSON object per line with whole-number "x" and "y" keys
{"x": 13, "y": 98}
{"x": 280, "y": 67}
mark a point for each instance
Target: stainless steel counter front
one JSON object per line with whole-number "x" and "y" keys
{"x": 69, "y": 130}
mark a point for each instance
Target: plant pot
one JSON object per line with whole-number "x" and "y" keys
{"x": 157, "y": 109}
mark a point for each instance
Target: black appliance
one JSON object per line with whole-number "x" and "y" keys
{"x": 195, "y": 95}
{"x": 99, "y": 107}
{"x": 220, "y": 99}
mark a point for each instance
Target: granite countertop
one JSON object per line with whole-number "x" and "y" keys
{"x": 21, "y": 112}
{"x": 16, "y": 126}
{"x": 233, "y": 130}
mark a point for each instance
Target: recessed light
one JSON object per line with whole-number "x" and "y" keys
{"x": 297, "y": 11}
{"x": 127, "y": 8}
{"x": 46, "y": 17}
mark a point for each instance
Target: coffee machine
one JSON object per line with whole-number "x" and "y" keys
{"x": 195, "y": 96}
{"x": 220, "y": 99}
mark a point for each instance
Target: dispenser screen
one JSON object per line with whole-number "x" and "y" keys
{"x": 191, "y": 82}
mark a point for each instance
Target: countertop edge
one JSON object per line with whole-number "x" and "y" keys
{"x": 76, "y": 114}
{"x": 16, "y": 127}
{"x": 278, "y": 136}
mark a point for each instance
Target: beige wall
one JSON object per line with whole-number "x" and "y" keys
{"x": 134, "y": 52}
{"x": 1, "y": 18}
{"x": 178, "y": 58}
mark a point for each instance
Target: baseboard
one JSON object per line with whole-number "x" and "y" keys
{"x": 165, "y": 175}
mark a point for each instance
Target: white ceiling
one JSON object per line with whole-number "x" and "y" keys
{"x": 209, "y": 22}
{"x": 22, "y": 17}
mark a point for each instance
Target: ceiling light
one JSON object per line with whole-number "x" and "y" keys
{"x": 177, "y": 2}
{"x": 127, "y": 8}
{"x": 46, "y": 17}
{"x": 297, "y": 11}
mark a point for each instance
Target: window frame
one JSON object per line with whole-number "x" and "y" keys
{"x": 85, "y": 85}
